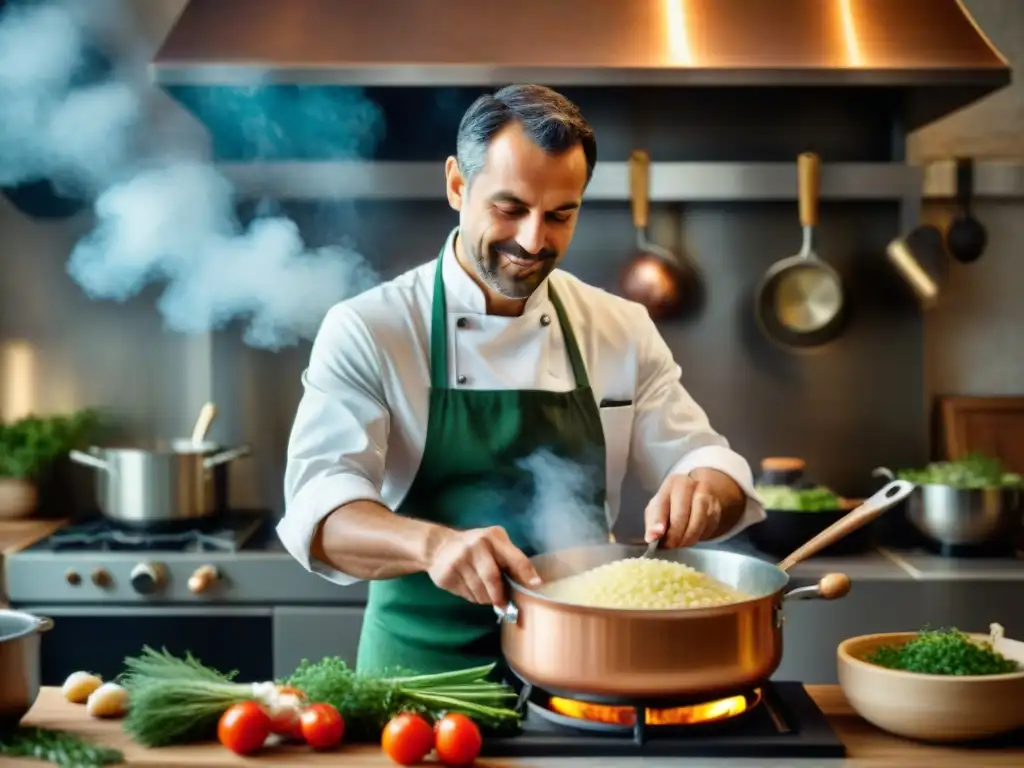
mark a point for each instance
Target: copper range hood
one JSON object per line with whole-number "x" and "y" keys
{"x": 887, "y": 43}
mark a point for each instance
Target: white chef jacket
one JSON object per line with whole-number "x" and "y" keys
{"x": 361, "y": 425}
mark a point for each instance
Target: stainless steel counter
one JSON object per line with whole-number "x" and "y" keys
{"x": 925, "y": 566}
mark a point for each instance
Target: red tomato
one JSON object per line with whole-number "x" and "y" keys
{"x": 458, "y": 740}
{"x": 243, "y": 728}
{"x": 321, "y": 726}
{"x": 407, "y": 739}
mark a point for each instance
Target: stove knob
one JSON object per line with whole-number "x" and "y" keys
{"x": 147, "y": 578}
{"x": 202, "y": 578}
{"x": 73, "y": 578}
{"x": 101, "y": 578}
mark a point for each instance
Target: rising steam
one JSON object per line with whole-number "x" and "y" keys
{"x": 563, "y": 512}
{"x": 164, "y": 214}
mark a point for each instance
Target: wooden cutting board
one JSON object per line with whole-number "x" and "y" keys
{"x": 989, "y": 425}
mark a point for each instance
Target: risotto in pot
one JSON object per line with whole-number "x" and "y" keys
{"x": 645, "y": 584}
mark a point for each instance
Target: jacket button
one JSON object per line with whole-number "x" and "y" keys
{"x": 462, "y": 322}
{"x": 545, "y": 320}
{"x": 461, "y": 378}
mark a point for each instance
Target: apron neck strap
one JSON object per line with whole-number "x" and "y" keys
{"x": 572, "y": 348}
{"x": 439, "y": 330}
{"x": 439, "y": 334}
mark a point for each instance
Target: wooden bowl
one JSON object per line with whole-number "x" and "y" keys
{"x": 939, "y": 708}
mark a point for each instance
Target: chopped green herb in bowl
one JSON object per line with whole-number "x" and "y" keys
{"x": 940, "y": 685}
{"x": 944, "y": 652}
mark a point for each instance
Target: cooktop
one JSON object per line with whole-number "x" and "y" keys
{"x": 785, "y": 723}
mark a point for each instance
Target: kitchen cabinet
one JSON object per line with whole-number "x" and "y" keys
{"x": 99, "y": 638}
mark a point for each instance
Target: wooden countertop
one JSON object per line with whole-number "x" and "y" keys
{"x": 15, "y": 535}
{"x": 867, "y": 747}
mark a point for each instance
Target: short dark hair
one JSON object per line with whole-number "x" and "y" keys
{"x": 552, "y": 122}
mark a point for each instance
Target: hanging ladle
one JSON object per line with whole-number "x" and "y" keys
{"x": 966, "y": 238}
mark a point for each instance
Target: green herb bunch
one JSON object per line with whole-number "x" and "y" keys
{"x": 786, "y": 498}
{"x": 944, "y": 652}
{"x": 179, "y": 700}
{"x": 59, "y": 747}
{"x": 973, "y": 471}
{"x": 30, "y": 444}
{"x": 176, "y": 700}
{"x": 368, "y": 702}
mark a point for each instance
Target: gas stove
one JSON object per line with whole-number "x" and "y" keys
{"x": 228, "y": 534}
{"x": 97, "y": 560}
{"x": 112, "y": 590}
{"x": 779, "y": 719}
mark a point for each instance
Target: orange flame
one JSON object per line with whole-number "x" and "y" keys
{"x": 626, "y": 716}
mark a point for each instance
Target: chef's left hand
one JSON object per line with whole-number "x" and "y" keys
{"x": 688, "y": 508}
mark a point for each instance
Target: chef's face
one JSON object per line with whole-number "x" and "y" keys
{"x": 517, "y": 215}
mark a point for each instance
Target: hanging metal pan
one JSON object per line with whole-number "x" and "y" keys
{"x": 799, "y": 302}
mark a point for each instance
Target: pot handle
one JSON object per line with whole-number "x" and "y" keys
{"x": 831, "y": 586}
{"x": 890, "y": 494}
{"x": 88, "y": 460}
{"x": 44, "y": 623}
{"x": 883, "y": 472}
{"x": 509, "y": 613}
{"x": 225, "y": 456}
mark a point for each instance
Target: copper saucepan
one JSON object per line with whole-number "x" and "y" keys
{"x": 697, "y": 654}
{"x": 655, "y": 277}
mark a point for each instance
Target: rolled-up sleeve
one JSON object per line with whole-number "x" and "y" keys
{"x": 672, "y": 434}
{"x": 339, "y": 439}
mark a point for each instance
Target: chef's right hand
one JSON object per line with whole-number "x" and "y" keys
{"x": 470, "y": 563}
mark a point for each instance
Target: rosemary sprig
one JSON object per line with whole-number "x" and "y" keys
{"x": 60, "y": 747}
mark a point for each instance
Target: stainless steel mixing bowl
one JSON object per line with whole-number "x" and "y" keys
{"x": 966, "y": 517}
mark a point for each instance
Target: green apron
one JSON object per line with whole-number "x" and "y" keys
{"x": 470, "y": 477}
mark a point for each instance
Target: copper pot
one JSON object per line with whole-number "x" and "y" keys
{"x": 662, "y": 287}
{"x": 694, "y": 654}
{"x": 654, "y": 276}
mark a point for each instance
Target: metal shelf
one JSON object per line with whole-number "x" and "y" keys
{"x": 1001, "y": 179}
{"x": 670, "y": 182}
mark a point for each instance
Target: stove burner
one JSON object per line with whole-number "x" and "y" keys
{"x": 229, "y": 535}
{"x": 642, "y": 721}
{"x": 780, "y": 721}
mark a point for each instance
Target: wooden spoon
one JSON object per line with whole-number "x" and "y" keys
{"x": 206, "y": 416}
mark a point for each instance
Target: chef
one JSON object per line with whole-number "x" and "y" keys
{"x": 428, "y": 400}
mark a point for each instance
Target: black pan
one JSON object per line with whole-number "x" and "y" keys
{"x": 783, "y": 530}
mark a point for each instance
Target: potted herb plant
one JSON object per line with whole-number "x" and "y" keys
{"x": 28, "y": 447}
